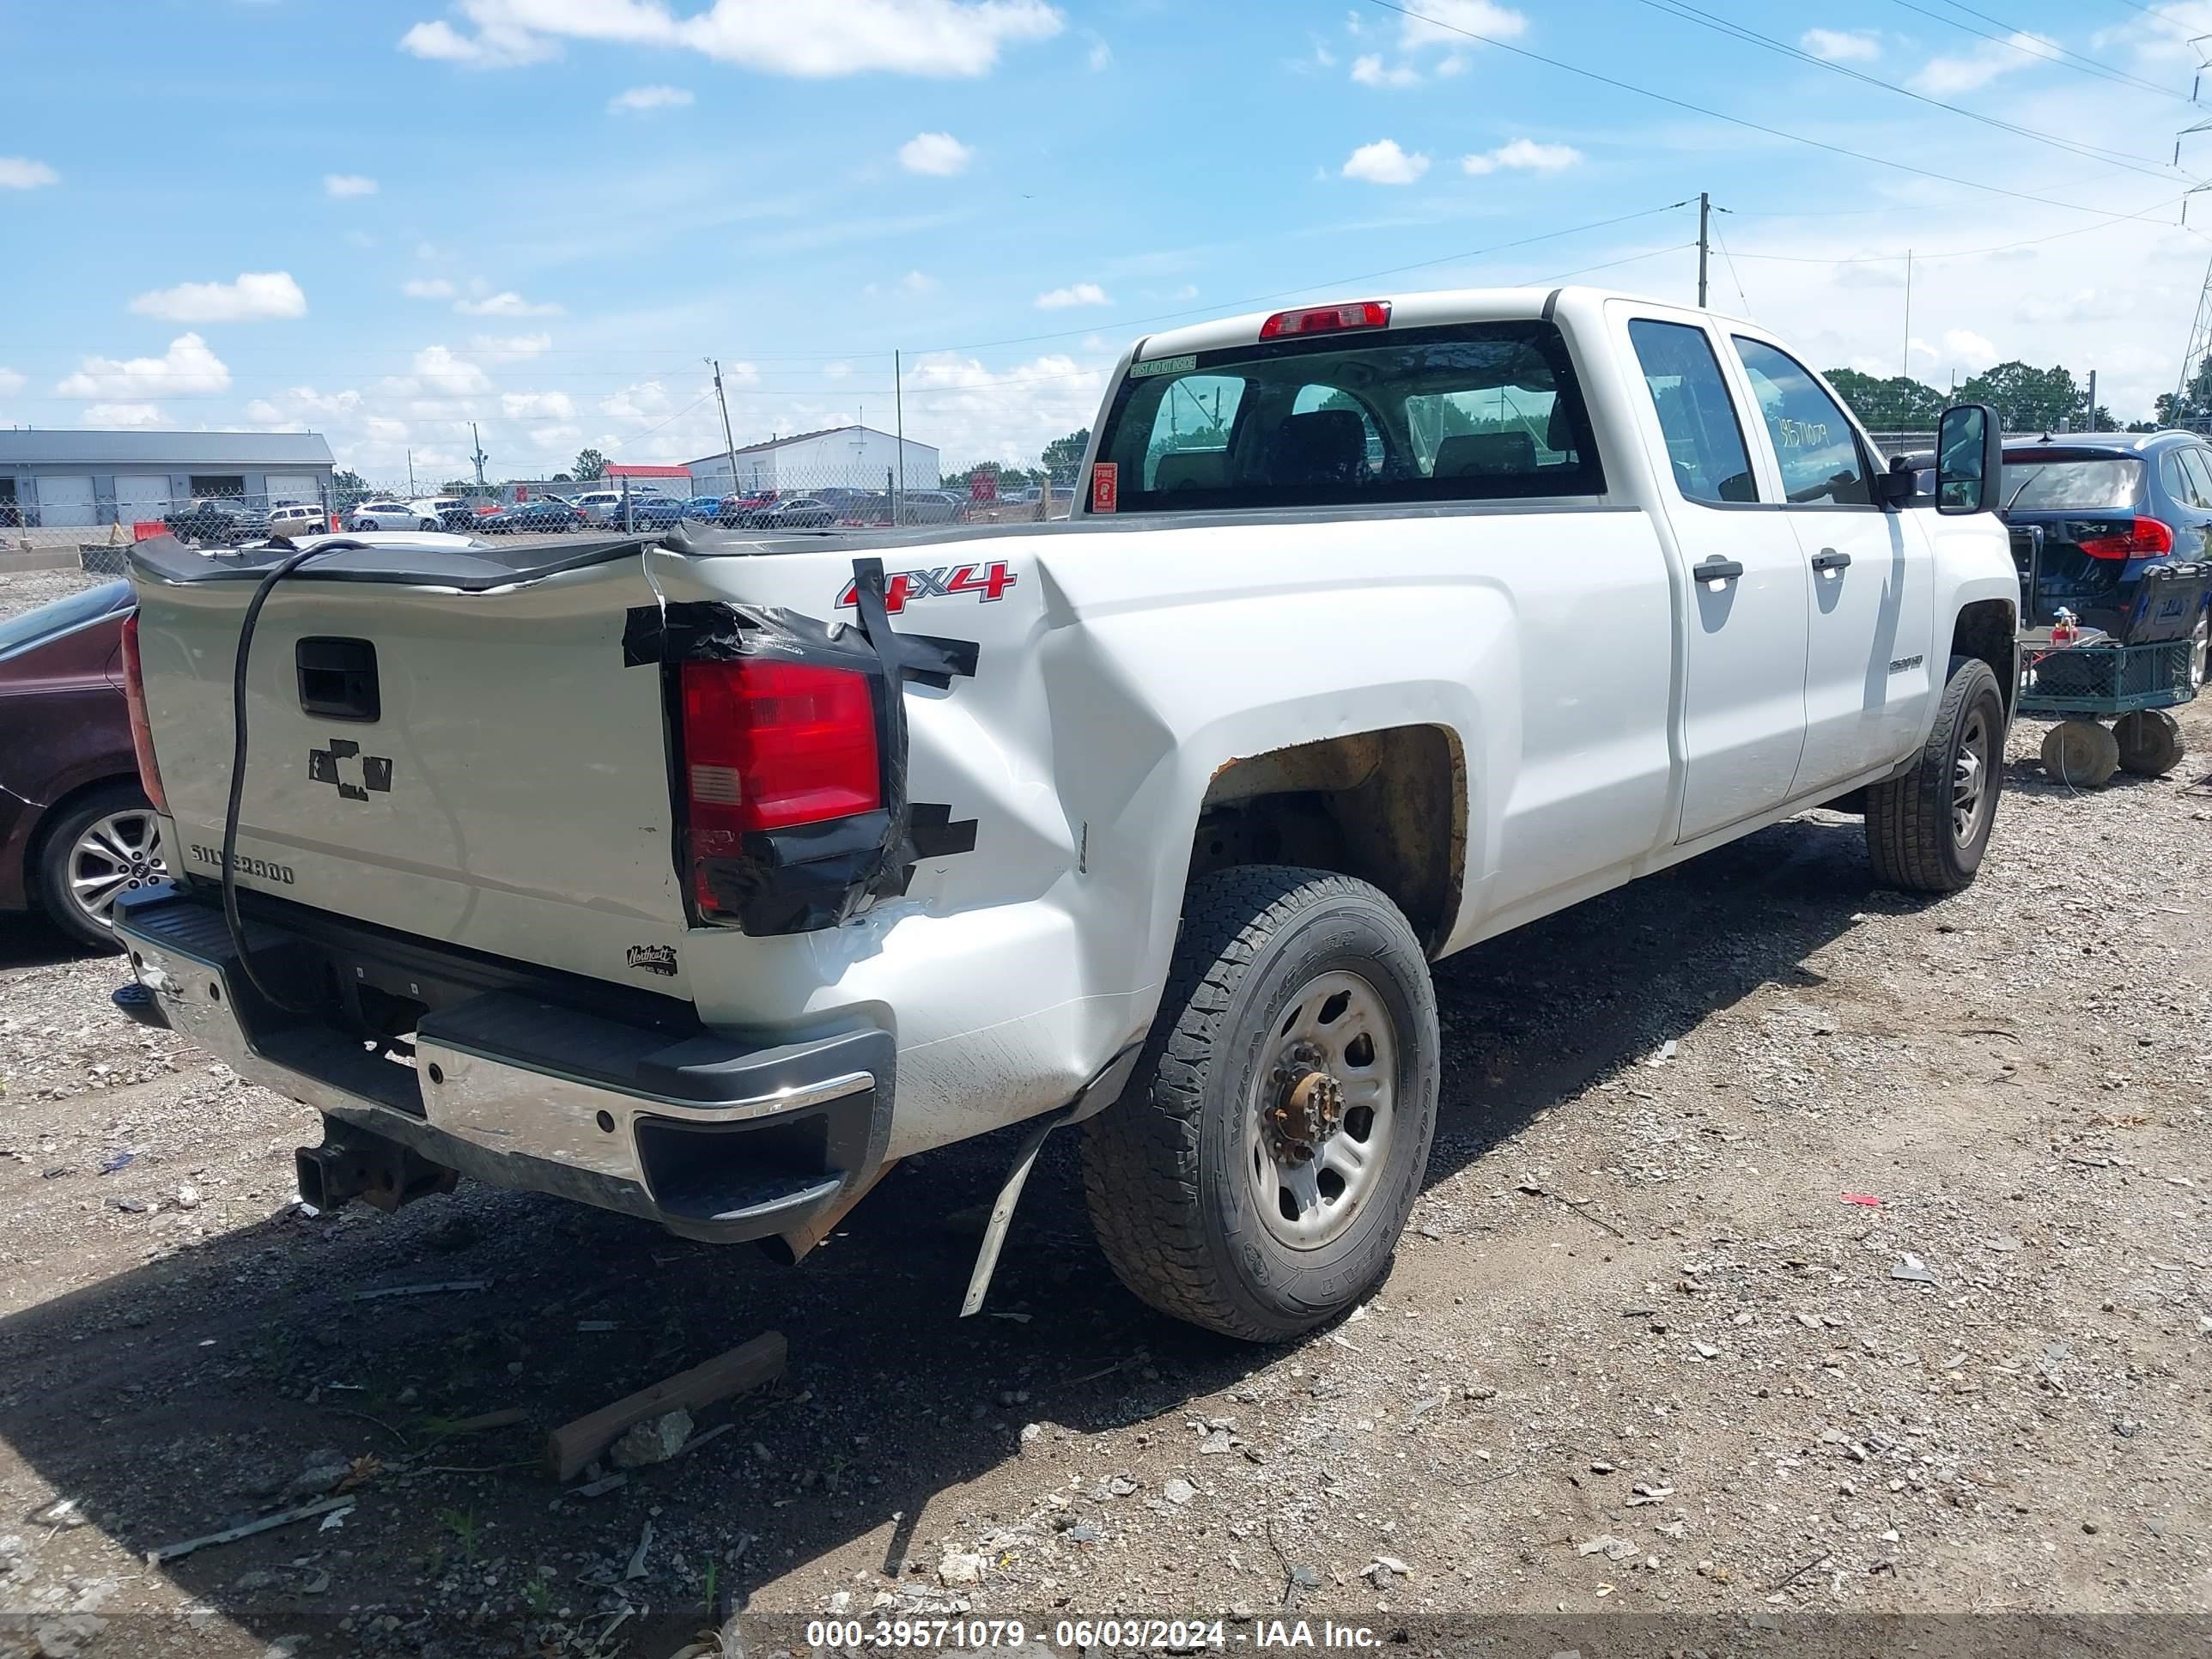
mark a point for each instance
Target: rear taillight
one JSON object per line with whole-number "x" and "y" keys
{"x": 1328, "y": 320}
{"x": 2146, "y": 538}
{"x": 770, "y": 745}
{"x": 142, "y": 730}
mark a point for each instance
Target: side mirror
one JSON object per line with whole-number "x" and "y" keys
{"x": 1969, "y": 459}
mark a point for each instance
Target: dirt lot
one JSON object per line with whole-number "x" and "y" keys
{"x": 1638, "y": 1353}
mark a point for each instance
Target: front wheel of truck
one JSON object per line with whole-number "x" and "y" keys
{"x": 1926, "y": 832}
{"x": 1256, "y": 1172}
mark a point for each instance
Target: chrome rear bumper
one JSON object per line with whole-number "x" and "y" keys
{"x": 715, "y": 1138}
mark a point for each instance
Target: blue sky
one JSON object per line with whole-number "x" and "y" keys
{"x": 382, "y": 220}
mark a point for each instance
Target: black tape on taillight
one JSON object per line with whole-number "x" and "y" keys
{"x": 812, "y": 875}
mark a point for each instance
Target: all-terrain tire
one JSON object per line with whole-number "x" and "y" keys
{"x": 1173, "y": 1207}
{"x": 1913, "y": 839}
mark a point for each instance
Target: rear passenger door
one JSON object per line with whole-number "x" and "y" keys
{"x": 1870, "y": 664}
{"x": 1743, "y": 692}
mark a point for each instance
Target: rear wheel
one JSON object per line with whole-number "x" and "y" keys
{"x": 106, "y": 844}
{"x": 2081, "y": 753}
{"x": 1255, "y": 1174}
{"x": 1926, "y": 832}
{"x": 2150, "y": 742}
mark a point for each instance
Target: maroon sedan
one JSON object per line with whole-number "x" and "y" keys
{"x": 76, "y": 829}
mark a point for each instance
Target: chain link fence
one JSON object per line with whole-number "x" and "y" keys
{"x": 801, "y": 498}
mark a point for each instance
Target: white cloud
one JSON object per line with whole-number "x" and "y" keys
{"x": 187, "y": 366}
{"x": 837, "y": 371}
{"x": 254, "y": 296}
{"x": 1970, "y": 71}
{"x": 507, "y": 303}
{"x": 427, "y": 288}
{"x": 511, "y": 345}
{"x": 383, "y": 429}
{"x": 1076, "y": 293}
{"x": 972, "y": 413}
{"x": 21, "y": 172}
{"x": 1100, "y": 56}
{"x": 638, "y": 99}
{"x": 342, "y": 184}
{"x": 536, "y": 406}
{"x": 1972, "y": 349}
{"x": 1369, "y": 71}
{"x": 810, "y": 39}
{"x": 1523, "y": 154}
{"x": 918, "y": 281}
{"x": 122, "y": 415}
{"x": 438, "y": 367}
{"x": 1384, "y": 163}
{"x": 10, "y": 382}
{"x": 1842, "y": 46}
{"x": 937, "y": 154}
{"x": 1476, "y": 17}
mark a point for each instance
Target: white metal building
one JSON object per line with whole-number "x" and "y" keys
{"x": 840, "y": 457}
{"x": 53, "y": 478}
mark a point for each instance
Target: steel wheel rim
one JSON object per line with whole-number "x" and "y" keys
{"x": 116, "y": 854}
{"x": 1970, "y": 778}
{"x": 1335, "y": 1027}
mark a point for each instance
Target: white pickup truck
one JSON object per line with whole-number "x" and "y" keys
{"x": 702, "y": 876}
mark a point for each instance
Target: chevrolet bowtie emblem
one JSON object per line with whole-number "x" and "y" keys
{"x": 346, "y": 769}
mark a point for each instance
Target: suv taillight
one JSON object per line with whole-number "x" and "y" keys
{"x": 2146, "y": 538}
{"x": 142, "y": 730}
{"x": 772, "y": 745}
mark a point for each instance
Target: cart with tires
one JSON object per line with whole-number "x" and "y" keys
{"x": 2084, "y": 682}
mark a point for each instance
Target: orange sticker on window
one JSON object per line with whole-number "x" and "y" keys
{"x": 1105, "y": 487}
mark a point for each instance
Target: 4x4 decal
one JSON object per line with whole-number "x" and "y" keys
{"x": 989, "y": 580}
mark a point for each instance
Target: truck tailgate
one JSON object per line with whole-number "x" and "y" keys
{"x": 477, "y": 766}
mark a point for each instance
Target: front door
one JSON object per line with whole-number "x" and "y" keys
{"x": 1744, "y": 673}
{"x": 1871, "y": 662}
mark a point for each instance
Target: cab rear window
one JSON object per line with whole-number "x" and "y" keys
{"x": 1475, "y": 411}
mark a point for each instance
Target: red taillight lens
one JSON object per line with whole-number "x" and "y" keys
{"x": 1328, "y": 320}
{"x": 142, "y": 730}
{"x": 2147, "y": 539}
{"x": 770, "y": 745}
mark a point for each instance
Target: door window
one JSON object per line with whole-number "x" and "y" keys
{"x": 1704, "y": 439}
{"x": 2200, "y": 477}
{"x": 1815, "y": 443}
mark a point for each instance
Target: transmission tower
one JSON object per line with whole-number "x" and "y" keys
{"x": 2184, "y": 412}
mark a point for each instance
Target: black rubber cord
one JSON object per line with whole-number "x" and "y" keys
{"x": 238, "y": 777}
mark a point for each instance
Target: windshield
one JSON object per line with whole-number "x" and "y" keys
{"x": 1474, "y": 411}
{"x": 2033, "y": 482}
{"x": 35, "y": 626}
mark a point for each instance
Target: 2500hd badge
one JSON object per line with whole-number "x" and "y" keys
{"x": 212, "y": 856}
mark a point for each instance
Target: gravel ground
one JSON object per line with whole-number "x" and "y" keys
{"x": 1641, "y": 1350}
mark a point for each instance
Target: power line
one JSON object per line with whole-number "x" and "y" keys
{"x": 1732, "y": 120}
{"x": 2086, "y": 65}
{"x": 1955, "y": 253}
{"x": 1690, "y": 14}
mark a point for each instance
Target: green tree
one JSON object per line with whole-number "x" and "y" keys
{"x": 2027, "y": 398}
{"x": 348, "y": 488}
{"x": 590, "y": 464}
{"x": 1063, "y": 455}
{"x": 1899, "y": 403}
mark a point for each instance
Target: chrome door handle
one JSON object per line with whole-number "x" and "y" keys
{"x": 1828, "y": 559}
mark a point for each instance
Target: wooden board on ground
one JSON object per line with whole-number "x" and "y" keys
{"x": 746, "y": 1367}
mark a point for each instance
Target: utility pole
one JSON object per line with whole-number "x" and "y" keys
{"x": 477, "y": 443}
{"x": 899, "y": 421}
{"x": 1908, "y": 313}
{"x": 410, "y": 474}
{"x": 729, "y": 443}
{"x": 2091, "y": 416}
{"x": 1705, "y": 224}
